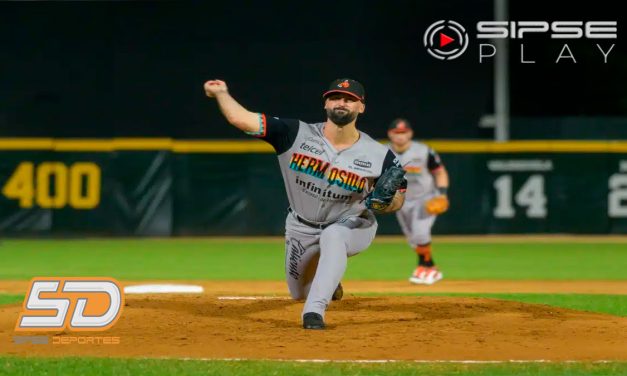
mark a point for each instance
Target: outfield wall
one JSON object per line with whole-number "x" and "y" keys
{"x": 165, "y": 187}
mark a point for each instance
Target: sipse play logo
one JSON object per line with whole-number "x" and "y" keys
{"x": 447, "y": 40}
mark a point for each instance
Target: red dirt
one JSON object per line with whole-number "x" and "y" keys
{"x": 469, "y": 286}
{"x": 404, "y": 328}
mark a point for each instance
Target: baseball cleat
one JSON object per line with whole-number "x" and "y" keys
{"x": 339, "y": 292}
{"x": 418, "y": 277}
{"x": 425, "y": 275}
{"x": 312, "y": 320}
{"x": 432, "y": 276}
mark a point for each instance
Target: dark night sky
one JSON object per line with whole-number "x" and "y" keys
{"x": 137, "y": 68}
{"x": 588, "y": 87}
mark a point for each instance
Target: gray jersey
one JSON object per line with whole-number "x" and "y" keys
{"x": 419, "y": 161}
{"x": 322, "y": 184}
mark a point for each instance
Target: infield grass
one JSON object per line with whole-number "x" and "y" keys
{"x": 599, "y": 303}
{"x": 10, "y": 298}
{"x": 104, "y": 366}
{"x": 263, "y": 260}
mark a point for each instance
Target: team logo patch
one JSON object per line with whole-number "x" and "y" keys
{"x": 364, "y": 164}
{"x": 344, "y": 84}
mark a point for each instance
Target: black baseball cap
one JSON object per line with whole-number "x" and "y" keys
{"x": 346, "y": 86}
{"x": 399, "y": 126}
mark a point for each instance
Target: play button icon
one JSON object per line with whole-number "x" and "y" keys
{"x": 445, "y": 39}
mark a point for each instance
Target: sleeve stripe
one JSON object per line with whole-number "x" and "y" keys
{"x": 262, "y": 124}
{"x": 262, "y": 127}
{"x": 437, "y": 168}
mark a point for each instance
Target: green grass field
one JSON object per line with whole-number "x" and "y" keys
{"x": 263, "y": 260}
{"x": 610, "y": 304}
{"x": 121, "y": 367}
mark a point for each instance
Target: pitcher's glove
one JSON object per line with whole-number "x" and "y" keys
{"x": 384, "y": 190}
{"x": 437, "y": 205}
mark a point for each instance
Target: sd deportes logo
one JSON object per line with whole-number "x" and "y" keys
{"x": 446, "y": 40}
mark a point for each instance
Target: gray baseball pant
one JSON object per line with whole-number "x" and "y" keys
{"x": 315, "y": 259}
{"x": 415, "y": 222}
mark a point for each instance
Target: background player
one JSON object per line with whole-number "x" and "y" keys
{"x": 426, "y": 197}
{"x": 334, "y": 176}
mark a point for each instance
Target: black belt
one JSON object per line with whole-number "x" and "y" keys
{"x": 302, "y": 220}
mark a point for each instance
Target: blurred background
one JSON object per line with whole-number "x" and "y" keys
{"x": 105, "y": 129}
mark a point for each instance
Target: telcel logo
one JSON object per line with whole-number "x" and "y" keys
{"x": 76, "y": 304}
{"x": 311, "y": 148}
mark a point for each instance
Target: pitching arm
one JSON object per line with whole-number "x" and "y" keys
{"x": 234, "y": 112}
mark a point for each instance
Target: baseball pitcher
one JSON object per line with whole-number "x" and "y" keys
{"x": 426, "y": 197}
{"x": 336, "y": 178}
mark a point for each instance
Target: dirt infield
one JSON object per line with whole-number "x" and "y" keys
{"x": 453, "y": 286}
{"x": 385, "y": 327}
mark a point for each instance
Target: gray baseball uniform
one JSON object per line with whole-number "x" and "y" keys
{"x": 418, "y": 161}
{"x": 327, "y": 220}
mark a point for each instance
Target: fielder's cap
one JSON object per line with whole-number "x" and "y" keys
{"x": 399, "y": 126}
{"x": 346, "y": 86}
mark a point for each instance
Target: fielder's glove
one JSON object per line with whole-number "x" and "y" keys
{"x": 384, "y": 190}
{"x": 437, "y": 205}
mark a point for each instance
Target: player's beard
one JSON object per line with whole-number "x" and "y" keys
{"x": 341, "y": 118}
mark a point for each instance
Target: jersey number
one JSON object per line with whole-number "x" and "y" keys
{"x": 52, "y": 185}
{"x": 531, "y": 195}
{"x": 617, "y": 199}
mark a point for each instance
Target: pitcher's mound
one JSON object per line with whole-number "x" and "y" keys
{"x": 403, "y": 328}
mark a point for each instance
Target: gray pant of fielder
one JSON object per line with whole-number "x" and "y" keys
{"x": 415, "y": 222}
{"x": 315, "y": 259}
